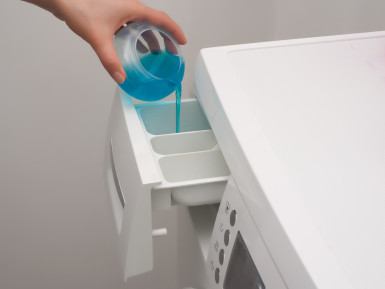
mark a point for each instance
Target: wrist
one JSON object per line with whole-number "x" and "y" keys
{"x": 59, "y": 8}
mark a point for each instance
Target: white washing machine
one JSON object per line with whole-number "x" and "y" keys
{"x": 288, "y": 138}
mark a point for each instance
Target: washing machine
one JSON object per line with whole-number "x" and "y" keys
{"x": 280, "y": 162}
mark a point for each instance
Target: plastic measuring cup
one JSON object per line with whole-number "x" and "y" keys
{"x": 152, "y": 60}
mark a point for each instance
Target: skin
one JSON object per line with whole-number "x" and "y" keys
{"x": 96, "y": 21}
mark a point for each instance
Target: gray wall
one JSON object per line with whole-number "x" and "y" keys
{"x": 56, "y": 229}
{"x": 225, "y": 22}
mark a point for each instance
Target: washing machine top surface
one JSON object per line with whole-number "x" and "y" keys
{"x": 304, "y": 122}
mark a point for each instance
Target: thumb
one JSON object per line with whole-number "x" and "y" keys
{"x": 110, "y": 60}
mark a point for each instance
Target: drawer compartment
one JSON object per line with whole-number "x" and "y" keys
{"x": 150, "y": 167}
{"x": 184, "y": 142}
{"x": 159, "y": 118}
{"x": 194, "y": 166}
{"x": 188, "y": 161}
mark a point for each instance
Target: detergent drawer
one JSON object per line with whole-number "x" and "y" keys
{"x": 151, "y": 167}
{"x": 191, "y": 166}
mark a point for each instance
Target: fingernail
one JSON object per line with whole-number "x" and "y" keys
{"x": 118, "y": 77}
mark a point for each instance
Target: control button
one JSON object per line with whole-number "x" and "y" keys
{"x": 226, "y": 238}
{"x": 216, "y": 246}
{"x": 212, "y": 265}
{"x": 217, "y": 275}
{"x": 221, "y": 256}
{"x": 227, "y": 207}
{"x": 221, "y": 228}
{"x": 233, "y": 217}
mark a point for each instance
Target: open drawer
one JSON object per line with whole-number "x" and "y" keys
{"x": 150, "y": 167}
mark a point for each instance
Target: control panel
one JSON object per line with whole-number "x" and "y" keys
{"x": 238, "y": 257}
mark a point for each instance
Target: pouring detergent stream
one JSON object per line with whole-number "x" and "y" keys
{"x": 153, "y": 63}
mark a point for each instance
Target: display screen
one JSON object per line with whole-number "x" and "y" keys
{"x": 241, "y": 271}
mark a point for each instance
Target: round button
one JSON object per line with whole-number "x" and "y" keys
{"x": 221, "y": 256}
{"x": 217, "y": 275}
{"x": 226, "y": 238}
{"x": 233, "y": 217}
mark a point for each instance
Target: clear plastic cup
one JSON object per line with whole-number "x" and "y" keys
{"x": 152, "y": 60}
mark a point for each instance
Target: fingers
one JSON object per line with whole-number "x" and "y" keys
{"x": 110, "y": 60}
{"x": 159, "y": 18}
{"x": 141, "y": 47}
{"x": 169, "y": 45}
{"x": 152, "y": 41}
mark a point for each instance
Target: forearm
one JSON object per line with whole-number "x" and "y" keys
{"x": 52, "y": 6}
{"x": 96, "y": 21}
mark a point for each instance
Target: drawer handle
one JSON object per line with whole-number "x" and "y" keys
{"x": 116, "y": 179}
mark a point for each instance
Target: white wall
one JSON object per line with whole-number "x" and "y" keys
{"x": 56, "y": 230}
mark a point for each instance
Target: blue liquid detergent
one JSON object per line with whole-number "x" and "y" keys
{"x": 167, "y": 74}
{"x": 178, "y": 95}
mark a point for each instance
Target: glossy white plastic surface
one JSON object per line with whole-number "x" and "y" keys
{"x": 184, "y": 143}
{"x": 132, "y": 172}
{"x": 301, "y": 125}
{"x": 190, "y": 163}
{"x": 194, "y": 166}
{"x": 148, "y": 172}
{"x": 232, "y": 201}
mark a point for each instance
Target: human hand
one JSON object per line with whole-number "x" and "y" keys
{"x": 96, "y": 21}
